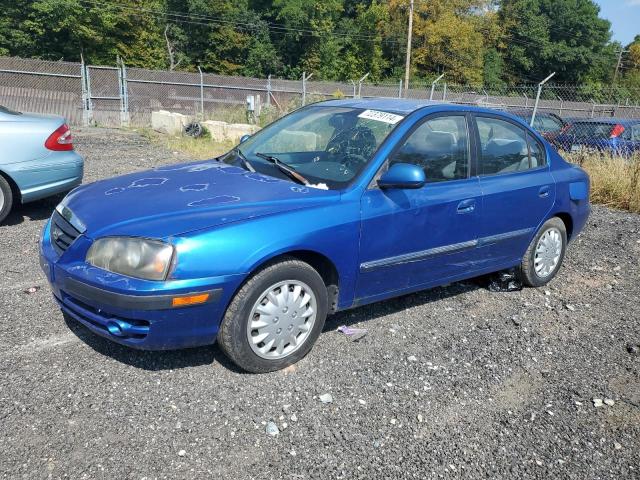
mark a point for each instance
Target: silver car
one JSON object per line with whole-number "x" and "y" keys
{"x": 37, "y": 159}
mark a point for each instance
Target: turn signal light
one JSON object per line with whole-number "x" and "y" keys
{"x": 190, "y": 300}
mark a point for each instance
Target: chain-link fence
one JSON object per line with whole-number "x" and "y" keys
{"x": 570, "y": 116}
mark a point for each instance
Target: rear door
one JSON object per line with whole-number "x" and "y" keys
{"x": 518, "y": 190}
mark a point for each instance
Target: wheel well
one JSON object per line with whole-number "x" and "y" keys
{"x": 14, "y": 188}
{"x": 324, "y": 266}
{"x": 568, "y": 223}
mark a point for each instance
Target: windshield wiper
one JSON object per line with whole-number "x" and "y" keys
{"x": 245, "y": 162}
{"x": 286, "y": 169}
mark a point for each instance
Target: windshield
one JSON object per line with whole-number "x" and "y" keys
{"x": 328, "y": 146}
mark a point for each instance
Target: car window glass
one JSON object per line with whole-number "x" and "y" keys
{"x": 635, "y": 133}
{"x": 503, "y": 147}
{"x": 440, "y": 147}
{"x": 550, "y": 124}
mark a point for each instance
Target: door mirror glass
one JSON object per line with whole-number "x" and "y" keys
{"x": 403, "y": 175}
{"x": 245, "y": 137}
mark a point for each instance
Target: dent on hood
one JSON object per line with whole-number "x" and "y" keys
{"x": 150, "y": 182}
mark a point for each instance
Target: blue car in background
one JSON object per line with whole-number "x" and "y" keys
{"x": 37, "y": 160}
{"x": 615, "y": 136}
{"x": 337, "y": 205}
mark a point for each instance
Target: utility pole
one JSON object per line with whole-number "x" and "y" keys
{"x": 619, "y": 64}
{"x": 407, "y": 66}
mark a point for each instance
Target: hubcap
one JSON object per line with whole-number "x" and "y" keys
{"x": 548, "y": 252}
{"x": 282, "y": 319}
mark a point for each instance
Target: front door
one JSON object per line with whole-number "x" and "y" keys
{"x": 415, "y": 237}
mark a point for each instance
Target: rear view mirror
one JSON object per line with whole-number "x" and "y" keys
{"x": 245, "y": 137}
{"x": 403, "y": 175}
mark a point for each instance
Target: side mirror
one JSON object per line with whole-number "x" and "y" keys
{"x": 403, "y": 175}
{"x": 245, "y": 137}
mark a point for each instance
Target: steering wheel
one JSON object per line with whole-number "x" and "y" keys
{"x": 351, "y": 163}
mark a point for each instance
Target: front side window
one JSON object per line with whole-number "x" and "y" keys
{"x": 440, "y": 146}
{"x": 504, "y": 147}
{"x": 326, "y": 145}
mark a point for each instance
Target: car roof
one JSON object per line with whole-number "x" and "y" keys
{"x": 397, "y": 105}
{"x": 404, "y": 106}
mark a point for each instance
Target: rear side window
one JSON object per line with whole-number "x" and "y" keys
{"x": 506, "y": 147}
{"x": 440, "y": 146}
{"x": 591, "y": 130}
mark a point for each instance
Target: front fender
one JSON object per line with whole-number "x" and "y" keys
{"x": 241, "y": 247}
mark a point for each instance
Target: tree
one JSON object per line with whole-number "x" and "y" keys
{"x": 544, "y": 36}
{"x": 450, "y": 36}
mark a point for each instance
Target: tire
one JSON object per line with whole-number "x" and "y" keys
{"x": 6, "y": 198}
{"x": 238, "y": 338}
{"x": 536, "y": 272}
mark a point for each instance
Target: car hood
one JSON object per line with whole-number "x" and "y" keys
{"x": 177, "y": 199}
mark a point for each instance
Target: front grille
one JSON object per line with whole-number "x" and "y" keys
{"x": 63, "y": 234}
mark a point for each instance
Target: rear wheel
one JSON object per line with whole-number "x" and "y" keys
{"x": 545, "y": 254}
{"x": 6, "y": 198}
{"x": 275, "y": 318}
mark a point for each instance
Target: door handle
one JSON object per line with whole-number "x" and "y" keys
{"x": 467, "y": 206}
{"x": 544, "y": 191}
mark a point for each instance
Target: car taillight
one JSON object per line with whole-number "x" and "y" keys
{"x": 617, "y": 131}
{"x": 60, "y": 140}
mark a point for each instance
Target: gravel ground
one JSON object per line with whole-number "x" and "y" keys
{"x": 456, "y": 382}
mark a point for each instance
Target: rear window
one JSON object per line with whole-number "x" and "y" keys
{"x": 590, "y": 130}
{"x": 6, "y": 110}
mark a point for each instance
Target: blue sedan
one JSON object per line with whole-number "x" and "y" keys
{"x": 336, "y": 205}
{"x": 617, "y": 137}
{"x": 38, "y": 159}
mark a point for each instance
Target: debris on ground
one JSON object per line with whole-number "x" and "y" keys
{"x": 272, "y": 429}
{"x": 355, "y": 334}
{"x": 597, "y": 402}
{"x": 182, "y": 453}
{"x": 326, "y": 398}
{"x": 505, "y": 281}
{"x": 633, "y": 349}
{"x": 194, "y": 129}
{"x": 31, "y": 290}
{"x": 609, "y": 402}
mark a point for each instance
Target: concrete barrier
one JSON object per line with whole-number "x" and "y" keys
{"x": 217, "y": 129}
{"x": 168, "y": 122}
{"x": 235, "y": 131}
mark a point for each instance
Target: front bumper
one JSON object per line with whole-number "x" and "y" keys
{"x": 132, "y": 312}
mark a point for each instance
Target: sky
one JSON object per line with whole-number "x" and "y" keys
{"x": 624, "y": 16}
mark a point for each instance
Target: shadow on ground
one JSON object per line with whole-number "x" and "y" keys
{"x": 208, "y": 355}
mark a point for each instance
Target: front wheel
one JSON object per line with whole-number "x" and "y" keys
{"x": 545, "y": 253}
{"x": 275, "y": 318}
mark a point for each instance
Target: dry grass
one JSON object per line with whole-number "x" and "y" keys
{"x": 615, "y": 181}
{"x": 202, "y": 148}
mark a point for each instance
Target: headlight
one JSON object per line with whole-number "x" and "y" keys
{"x": 134, "y": 257}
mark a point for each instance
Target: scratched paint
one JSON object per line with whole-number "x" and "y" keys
{"x": 196, "y": 187}
{"x": 214, "y": 200}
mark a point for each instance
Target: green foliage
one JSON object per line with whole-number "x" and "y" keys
{"x": 490, "y": 42}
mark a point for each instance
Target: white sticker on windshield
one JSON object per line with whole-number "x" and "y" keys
{"x": 379, "y": 116}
